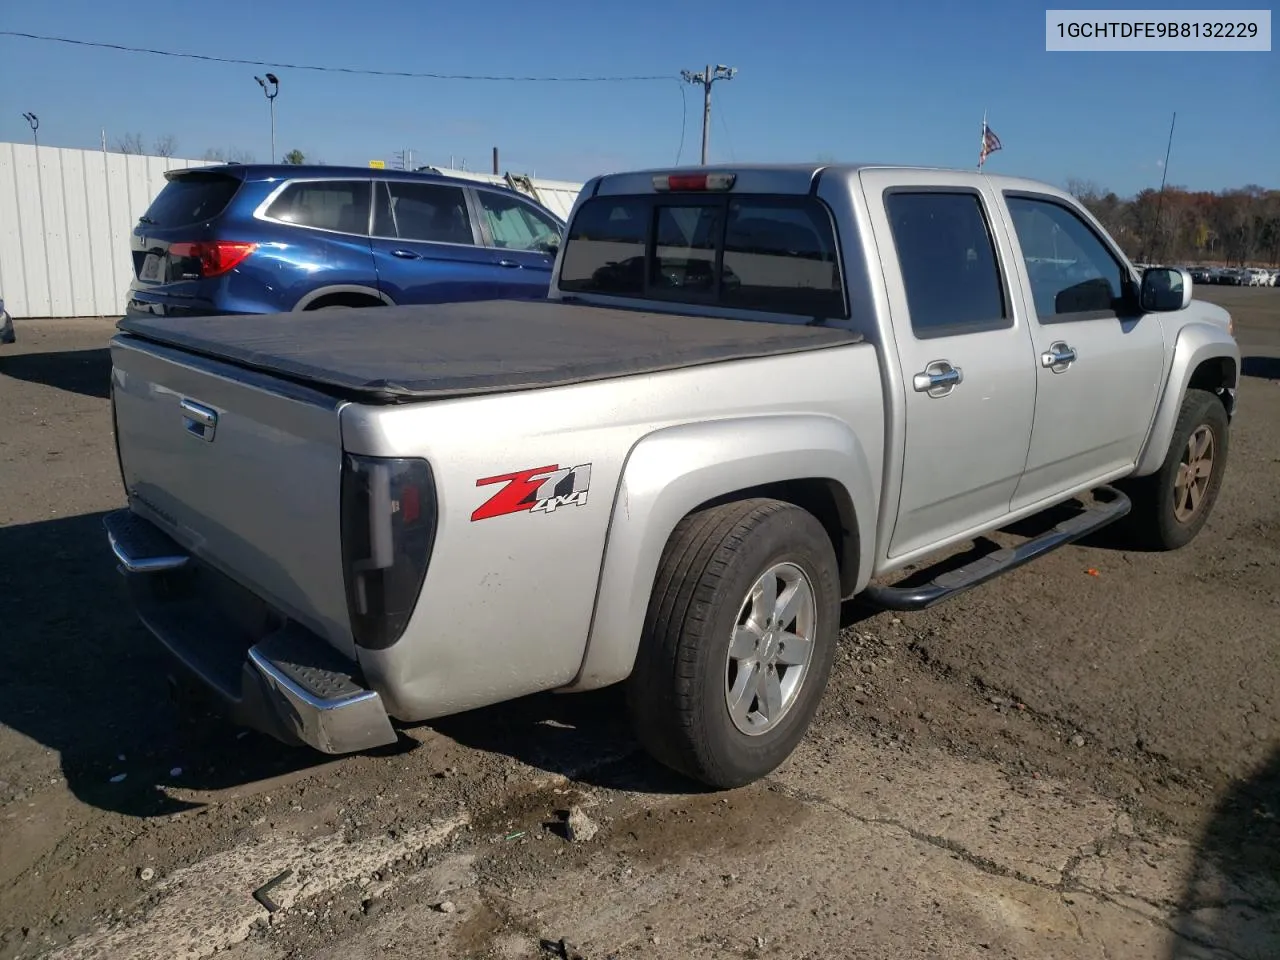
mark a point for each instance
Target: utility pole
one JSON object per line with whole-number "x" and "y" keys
{"x": 34, "y": 122}
{"x": 706, "y": 79}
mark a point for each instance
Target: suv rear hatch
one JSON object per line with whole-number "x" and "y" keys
{"x": 243, "y": 470}
{"x": 173, "y": 244}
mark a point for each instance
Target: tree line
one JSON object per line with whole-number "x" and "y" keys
{"x": 1237, "y": 227}
{"x": 167, "y": 145}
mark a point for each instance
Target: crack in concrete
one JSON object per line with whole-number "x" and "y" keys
{"x": 1066, "y": 885}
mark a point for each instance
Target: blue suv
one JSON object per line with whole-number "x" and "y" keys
{"x": 270, "y": 238}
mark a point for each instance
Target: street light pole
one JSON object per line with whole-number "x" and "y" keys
{"x": 34, "y": 121}
{"x": 706, "y": 79}
{"x": 271, "y": 95}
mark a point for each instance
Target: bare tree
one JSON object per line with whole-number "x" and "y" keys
{"x": 129, "y": 143}
{"x": 234, "y": 155}
{"x": 165, "y": 146}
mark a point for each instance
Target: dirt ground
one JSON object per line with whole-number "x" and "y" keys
{"x": 1079, "y": 760}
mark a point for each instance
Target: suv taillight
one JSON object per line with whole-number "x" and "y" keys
{"x": 215, "y": 256}
{"x": 388, "y": 529}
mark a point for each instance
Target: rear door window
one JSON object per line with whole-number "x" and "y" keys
{"x": 948, "y": 262}
{"x": 338, "y": 205}
{"x": 192, "y": 198}
{"x": 769, "y": 253}
{"x": 427, "y": 212}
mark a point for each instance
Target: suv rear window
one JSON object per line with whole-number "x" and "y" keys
{"x": 191, "y": 198}
{"x": 751, "y": 252}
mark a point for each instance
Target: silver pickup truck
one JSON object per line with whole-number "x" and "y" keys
{"x": 752, "y": 393}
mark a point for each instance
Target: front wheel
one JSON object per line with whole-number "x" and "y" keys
{"x": 1172, "y": 505}
{"x": 738, "y": 641}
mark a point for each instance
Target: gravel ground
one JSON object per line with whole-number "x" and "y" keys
{"x": 1059, "y": 764}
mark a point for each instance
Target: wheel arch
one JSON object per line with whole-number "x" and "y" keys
{"x": 1205, "y": 357}
{"x": 813, "y": 461}
{"x": 337, "y": 293}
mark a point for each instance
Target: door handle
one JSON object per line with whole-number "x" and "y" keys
{"x": 938, "y": 379}
{"x": 1058, "y": 357}
{"x": 405, "y": 254}
{"x": 508, "y": 263}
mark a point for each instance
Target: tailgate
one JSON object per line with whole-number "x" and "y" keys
{"x": 243, "y": 470}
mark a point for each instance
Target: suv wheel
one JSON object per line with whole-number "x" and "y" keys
{"x": 738, "y": 641}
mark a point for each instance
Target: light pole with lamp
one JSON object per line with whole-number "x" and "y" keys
{"x": 271, "y": 99}
{"x": 32, "y": 119}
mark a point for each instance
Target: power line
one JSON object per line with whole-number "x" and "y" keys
{"x": 325, "y": 69}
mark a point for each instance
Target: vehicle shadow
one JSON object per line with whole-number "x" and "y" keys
{"x": 1231, "y": 903}
{"x": 1264, "y": 368}
{"x": 584, "y": 737}
{"x": 86, "y": 372}
{"x": 80, "y": 676}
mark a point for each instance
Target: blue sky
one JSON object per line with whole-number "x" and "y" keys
{"x": 824, "y": 80}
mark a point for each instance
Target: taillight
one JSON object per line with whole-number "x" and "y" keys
{"x": 388, "y": 529}
{"x": 215, "y": 256}
{"x": 694, "y": 181}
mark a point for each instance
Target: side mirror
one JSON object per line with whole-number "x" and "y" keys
{"x": 1165, "y": 289}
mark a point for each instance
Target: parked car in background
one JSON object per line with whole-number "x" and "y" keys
{"x": 1199, "y": 274}
{"x": 1256, "y": 277}
{"x": 6, "y": 326}
{"x": 271, "y": 238}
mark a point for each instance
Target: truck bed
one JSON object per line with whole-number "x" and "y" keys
{"x": 387, "y": 355}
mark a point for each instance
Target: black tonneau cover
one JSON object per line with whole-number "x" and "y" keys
{"x": 399, "y": 354}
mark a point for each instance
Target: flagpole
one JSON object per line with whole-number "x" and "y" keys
{"x": 982, "y": 139}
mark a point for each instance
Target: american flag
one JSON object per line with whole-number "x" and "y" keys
{"x": 990, "y": 144}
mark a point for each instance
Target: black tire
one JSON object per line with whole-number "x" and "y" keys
{"x": 1153, "y": 522}
{"x": 676, "y": 692}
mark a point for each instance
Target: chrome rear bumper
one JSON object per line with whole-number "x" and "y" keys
{"x": 263, "y": 670}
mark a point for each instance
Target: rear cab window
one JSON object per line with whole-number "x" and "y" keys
{"x": 191, "y": 198}
{"x": 774, "y": 254}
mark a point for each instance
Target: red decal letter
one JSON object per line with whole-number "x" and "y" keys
{"x": 513, "y": 497}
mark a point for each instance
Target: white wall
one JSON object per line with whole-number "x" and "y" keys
{"x": 65, "y": 220}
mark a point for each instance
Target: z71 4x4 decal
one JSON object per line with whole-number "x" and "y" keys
{"x": 539, "y": 490}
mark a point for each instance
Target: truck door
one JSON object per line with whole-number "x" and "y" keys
{"x": 1099, "y": 359}
{"x": 963, "y": 352}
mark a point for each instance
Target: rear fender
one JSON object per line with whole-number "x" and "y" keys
{"x": 1197, "y": 343}
{"x": 672, "y": 472}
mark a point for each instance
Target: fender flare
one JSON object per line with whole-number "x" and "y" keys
{"x": 1196, "y": 343}
{"x": 315, "y": 295}
{"x": 671, "y": 472}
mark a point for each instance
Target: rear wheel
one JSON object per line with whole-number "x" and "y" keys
{"x": 1173, "y": 504}
{"x": 738, "y": 641}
